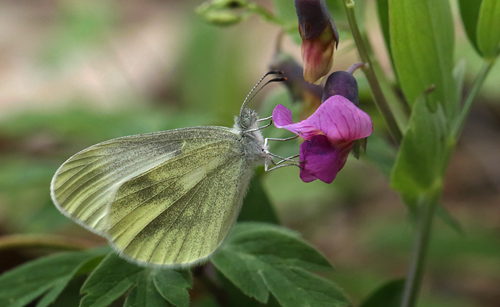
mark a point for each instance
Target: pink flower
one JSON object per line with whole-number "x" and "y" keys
{"x": 329, "y": 136}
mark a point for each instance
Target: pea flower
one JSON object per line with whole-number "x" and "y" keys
{"x": 319, "y": 38}
{"x": 343, "y": 83}
{"x": 329, "y": 135}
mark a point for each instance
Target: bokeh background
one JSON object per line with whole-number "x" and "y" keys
{"x": 75, "y": 73}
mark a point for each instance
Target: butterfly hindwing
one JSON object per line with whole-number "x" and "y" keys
{"x": 180, "y": 217}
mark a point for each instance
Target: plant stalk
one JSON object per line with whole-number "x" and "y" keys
{"x": 42, "y": 241}
{"x": 413, "y": 283}
{"x": 483, "y": 73}
{"x": 378, "y": 94}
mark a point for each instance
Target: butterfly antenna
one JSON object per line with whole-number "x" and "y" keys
{"x": 255, "y": 90}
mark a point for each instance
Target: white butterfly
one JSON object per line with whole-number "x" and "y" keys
{"x": 166, "y": 198}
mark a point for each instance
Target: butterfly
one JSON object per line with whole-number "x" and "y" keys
{"x": 166, "y": 198}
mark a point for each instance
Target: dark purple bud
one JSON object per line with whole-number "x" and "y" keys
{"x": 319, "y": 38}
{"x": 341, "y": 83}
{"x": 313, "y": 16}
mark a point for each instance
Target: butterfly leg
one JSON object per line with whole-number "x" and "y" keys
{"x": 265, "y": 118}
{"x": 266, "y": 141}
{"x": 283, "y": 160}
{"x": 265, "y": 126}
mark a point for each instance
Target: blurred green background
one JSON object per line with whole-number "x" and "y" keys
{"x": 75, "y": 73}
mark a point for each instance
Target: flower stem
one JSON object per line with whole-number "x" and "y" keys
{"x": 378, "y": 94}
{"x": 354, "y": 67}
{"x": 425, "y": 215}
{"x": 483, "y": 73}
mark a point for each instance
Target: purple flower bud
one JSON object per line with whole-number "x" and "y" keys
{"x": 319, "y": 38}
{"x": 313, "y": 16}
{"x": 341, "y": 83}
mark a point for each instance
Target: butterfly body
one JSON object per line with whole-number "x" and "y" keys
{"x": 165, "y": 198}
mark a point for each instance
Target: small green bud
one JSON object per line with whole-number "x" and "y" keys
{"x": 223, "y": 12}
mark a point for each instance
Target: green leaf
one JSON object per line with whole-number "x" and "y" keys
{"x": 257, "y": 207}
{"x": 297, "y": 287}
{"x": 258, "y": 258}
{"x": 172, "y": 286}
{"x": 422, "y": 42}
{"x": 423, "y": 155}
{"x": 54, "y": 293}
{"x": 459, "y": 76}
{"x": 242, "y": 270}
{"x": 449, "y": 220}
{"x": 235, "y": 297}
{"x": 469, "y": 11}
{"x": 52, "y": 273}
{"x": 145, "y": 293}
{"x": 488, "y": 33}
{"x": 276, "y": 245}
{"x": 388, "y": 295}
{"x": 112, "y": 277}
{"x": 383, "y": 17}
{"x": 84, "y": 268}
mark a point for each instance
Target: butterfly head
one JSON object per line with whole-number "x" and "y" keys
{"x": 247, "y": 120}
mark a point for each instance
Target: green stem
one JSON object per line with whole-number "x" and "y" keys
{"x": 44, "y": 241}
{"x": 483, "y": 73}
{"x": 378, "y": 94}
{"x": 399, "y": 106}
{"x": 425, "y": 216}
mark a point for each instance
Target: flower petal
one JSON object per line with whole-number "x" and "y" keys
{"x": 341, "y": 121}
{"x": 321, "y": 160}
{"x": 317, "y": 58}
{"x": 282, "y": 118}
